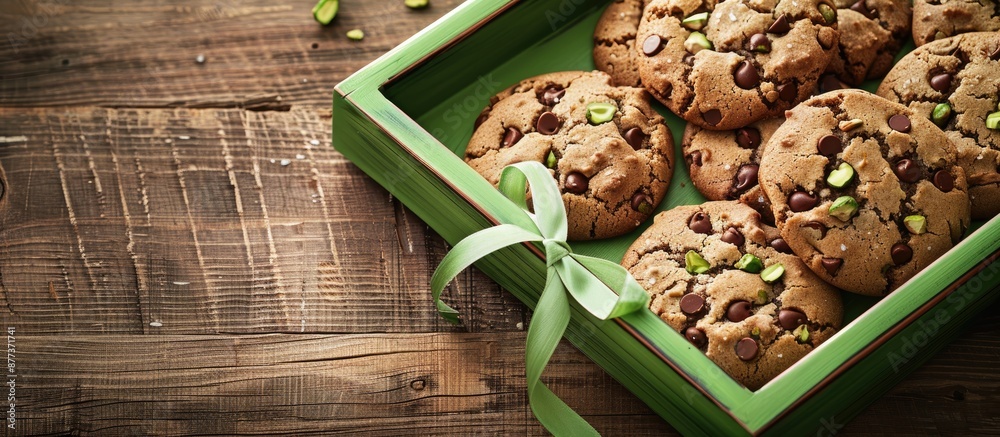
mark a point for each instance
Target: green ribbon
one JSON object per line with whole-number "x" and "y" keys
{"x": 601, "y": 287}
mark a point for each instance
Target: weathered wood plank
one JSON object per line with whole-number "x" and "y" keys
{"x": 259, "y": 54}
{"x": 204, "y": 221}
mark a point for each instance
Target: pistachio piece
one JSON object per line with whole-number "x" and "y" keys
{"x": 844, "y": 208}
{"x": 325, "y": 10}
{"x": 600, "y": 112}
{"x": 940, "y": 114}
{"x": 761, "y": 297}
{"x": 755, "y": 332}
{"x": 916, "y": 224}
{"x": 773, "y": 273}
{"x": 416, "y": 4}
{"x": 550, "y": 161}
{"x": 697, "y": 42}
{"x": 801, "y": 334}
{"x": 828, "y": 12}
{"x": 842, "y": 176}
{"x": 696, "y": 21}
{"x": 356, "y": 34}
{"x": 749, "y": 263}
{"x": 993, "y": 121}
{"x": 695, "y": 264}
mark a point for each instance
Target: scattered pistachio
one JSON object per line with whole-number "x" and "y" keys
{"x": 801, "y": 334}
{"x": 550, "y": 161}
{"x": 916, "y": 224}
{"x": 849, "y": 125}
{"x": 940, "y": 35}
{"x": 416, "y": 4}
{"x": 755, "y": 332}
{"x": 325, "y": 10}
{"x": 844, "y": 208}
{"x": 828, "y": 12}
{"x": 761, "y": 297}
{"x": 696, "y": 21}
{"x": 993, "y": 121}
{"x": 356, "y": 34}
{"x": 940, "y": 114}
{"x": 842, "y": 176}
{"x": 600, "y": 112}
{"x": 645, "y": 208}
{"x": 697, "y": 42}
{"x": 773, "y": 273}
{"x": 695, "y": 264}
{"x": 749, "y": 263}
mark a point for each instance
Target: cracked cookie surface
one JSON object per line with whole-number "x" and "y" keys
{"x": 724, "y": 165}
{"x": 609, "y": 151}
{"x": 871, "y": 34}
{"x": 958, "y": 78}
{"x": 751, "y": 322}
{"x": 723, "y": 65}
{"x": 939, "y": 19}
{"x": 614, "y": 41}
{"x": 866, "y": 191}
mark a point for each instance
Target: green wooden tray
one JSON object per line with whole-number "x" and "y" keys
{"x": 406, "y": 118}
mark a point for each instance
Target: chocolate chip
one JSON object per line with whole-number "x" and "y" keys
{"x": 652, "y": 45}
{"x": 829, "y": 145}
{"x": 780, "y": 26}
{"x": 642, "y": 202}
{"x": 695, "y": 157}
{"x": 788, "y": 91}
{"x": 944, "y": 181}
{"x": 700, "y": 223}
{"x": 553, "y": 95}
{"x": 831, "y": 83}
{"x": 746, "y": 178}
{"x": 832, "y": 265}
{"x": 781, "y": 245}
{"x": 907, "y": 170}
{"x": 901, "y": 253}
{"x": 692, "y": 304}
{"x": 511, "y": 137}
{"x": 712, "y": 117}
{"x": 816, "y": 226}
{"x": 548, "y": 123}
{"x": 791, "y": 319}
{"x": 748, "y": 138}
{"x": 577, "y": 183}
{"x": 941, "y": 82}
{"x": 481, "y": 119}
{"x": 746, "y": 76}
{"x": 634, "y": 137}
{"x": 900, "y": 123}
{"x": 802, "y": 201}
{"x": 746, "y": 349}
{"x": 738, "y": 311}
{"x": 695, "y": 336}
{"x": 733, "y": 236}
{"x": 760, "y": 43}
{"x": 861, "y": 8}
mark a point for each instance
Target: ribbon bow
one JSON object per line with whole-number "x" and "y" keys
{"x": 604, "y": 289}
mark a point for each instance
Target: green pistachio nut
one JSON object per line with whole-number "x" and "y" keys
{"x": 755, "y": 332}
{"x": 773, "y": 274}
{"x": 828, "y": 12}
{"x": 801, "y": 334}
{"x": 916, "y": 224}
{"x": 842, "y": 176}
{"x": 550, "y": 161}
{"x": 749, "y": 263}
{"x": 844, "y": 208}
{"x": 416, "y": 4}
{"x": 645, "y": 208}
{"x": 761, "y": 297}
{"x": 993, "y": 121}
{"x": 600, "y": 112}
{"x": 940, "y": 114}
{"x": 356, "y": 34}
{"x": 696, "y": 21}
{"x": 325, "y": 10}
{"x": 695, "y": 264}
{"x": 697, "y": 42}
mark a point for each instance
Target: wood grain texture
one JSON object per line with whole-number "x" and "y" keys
{"x": 181, "y": 252}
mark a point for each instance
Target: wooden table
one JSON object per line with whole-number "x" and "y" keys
{"x": 181, "y": 251}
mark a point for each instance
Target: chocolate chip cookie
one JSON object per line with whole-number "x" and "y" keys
{"x": 724, "y": 164}
{"x": 728, "y": 64}
{"x": 955, "y": 83}
{"x": 939, "y": 19}
{"x": 713, "y": 276}
{"x": 614, "y": 41}
{"x": 871, "y": 33}
{"x": 866, "y": 191}
{"x": 610, "y": 152}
